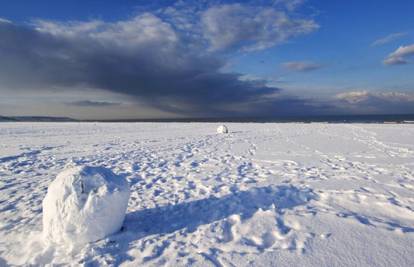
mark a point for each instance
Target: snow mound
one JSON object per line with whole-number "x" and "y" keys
{"x": 84, "y": 204}
{"x": 222, "y": 129}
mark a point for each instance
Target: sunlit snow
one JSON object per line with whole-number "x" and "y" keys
{"x": 262, "y": 195}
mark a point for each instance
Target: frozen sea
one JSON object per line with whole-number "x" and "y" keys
{"x": 266, "y": 194}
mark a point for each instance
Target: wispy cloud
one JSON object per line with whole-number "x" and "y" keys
{"x": 251, "y": 27}
{"x": 289, "y": 4}
{"x": 302, "y": 66}
{"x": 400, "y": 56}
{"x": 2, "y": 20}
{"x": 389, "y": 38}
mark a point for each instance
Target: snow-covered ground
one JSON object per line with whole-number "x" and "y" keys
{"x": 262, "y": 195}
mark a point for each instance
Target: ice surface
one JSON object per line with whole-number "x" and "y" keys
{"x": 84, "y": 204}
{"x": 265, "y": 194}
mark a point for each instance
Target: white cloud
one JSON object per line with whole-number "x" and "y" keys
{"x": 301, "y": 66}
{"x": 400, "y": 55}
{"x": 389, "y": 38}
{"x": 4, "y": 20}
{"x": 216, "y": 28}
{"x": 141, "y": 30}
{"x": 364, "y": 102}
{"x": 251, "y": 28}
{"x": 355, "y": 97}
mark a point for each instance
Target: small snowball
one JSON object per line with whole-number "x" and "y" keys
{"x": 84, "y": 204}
{"x": 222, "y": 129}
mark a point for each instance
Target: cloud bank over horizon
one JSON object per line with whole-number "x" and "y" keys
{"x": 377, "y": 102}
{"x": 147, "y": 58}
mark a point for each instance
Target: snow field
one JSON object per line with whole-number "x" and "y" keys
{"x": 262, "y": 195}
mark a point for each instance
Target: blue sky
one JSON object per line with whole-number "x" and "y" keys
{"x": 343, "y": 44}
{"x": 261, "y": 58}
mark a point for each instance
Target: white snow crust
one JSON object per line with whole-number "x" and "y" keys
{"x": 267, "y": 194}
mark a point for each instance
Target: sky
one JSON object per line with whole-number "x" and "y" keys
{"x": 134, "y": 59}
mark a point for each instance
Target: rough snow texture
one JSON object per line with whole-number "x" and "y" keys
{"x": 262, "y": 195}
{"x": 84, "y": 204}
{"x": 222, "y": 129}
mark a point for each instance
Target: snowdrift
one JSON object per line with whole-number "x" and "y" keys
{"x": 84, "y": 204}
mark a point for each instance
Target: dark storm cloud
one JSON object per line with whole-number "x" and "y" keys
{"x": 169, "y": 61}
{"x": 156, "y": 69}
{"x": 92, "y": 103}
{"x": 143, "y": 57}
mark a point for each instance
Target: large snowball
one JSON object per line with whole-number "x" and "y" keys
{"x": 84, "y": 204}
{"x": 222, "y": 129}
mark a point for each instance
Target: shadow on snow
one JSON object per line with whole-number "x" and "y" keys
{"x": 188, "y": 216}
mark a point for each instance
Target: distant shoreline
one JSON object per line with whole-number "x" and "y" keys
{"x": 386, "y": 119}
